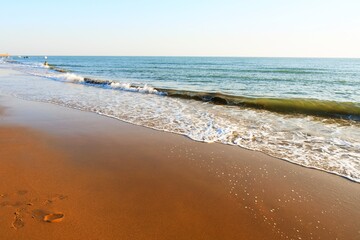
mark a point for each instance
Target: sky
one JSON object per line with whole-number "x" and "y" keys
{"x": 252, "y": 28}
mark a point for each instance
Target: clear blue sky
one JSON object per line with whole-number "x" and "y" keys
{"x": 304, "y": 28}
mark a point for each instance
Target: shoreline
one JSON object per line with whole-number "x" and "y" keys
{"x": 348, "y": 178}
{"x": 305, "y": 142}
{"x": 191, "y": 188}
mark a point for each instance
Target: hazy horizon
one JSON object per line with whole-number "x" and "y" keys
{"x": 174, "y": 56}
{"x": 229, "y": 28}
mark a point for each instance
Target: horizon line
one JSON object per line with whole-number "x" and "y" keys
{"x": 199, "y": 56}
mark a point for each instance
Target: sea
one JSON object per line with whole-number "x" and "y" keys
{"x": 305, "y": 111}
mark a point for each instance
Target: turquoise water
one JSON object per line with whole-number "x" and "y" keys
{"x": 306, "y": 111}
{"x": 325, "y": 79}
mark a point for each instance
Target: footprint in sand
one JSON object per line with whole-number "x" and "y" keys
{"x": 18, "y": 222}
{"x": 25, "y": 205}
{"x": 55, "y": 198}
{"x": 54, "y": 217}
{"x": 46, "y": 216}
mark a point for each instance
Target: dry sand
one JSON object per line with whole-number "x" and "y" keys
{"x": 104, "y": 179}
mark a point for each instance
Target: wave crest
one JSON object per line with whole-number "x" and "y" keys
{"x": 131, "y": 88}
{"x": 70, "y": 77}
{"x": 314, "y": 107}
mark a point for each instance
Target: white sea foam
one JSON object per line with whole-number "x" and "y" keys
{"x": 41, "y": 70}
{"x": 129, "y": 87}
{"x": 332, "y": 147}
{"x": 37, "y": 69}
{"x": 70, "y": 77}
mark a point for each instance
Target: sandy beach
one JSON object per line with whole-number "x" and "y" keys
{"x": 180, "y": 120}
{"x": 106, "y": 179}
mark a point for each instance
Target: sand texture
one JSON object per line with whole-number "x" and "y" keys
{"x": 68, "y": 174}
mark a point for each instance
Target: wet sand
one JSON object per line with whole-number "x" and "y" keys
{"x": 106, "y": 179}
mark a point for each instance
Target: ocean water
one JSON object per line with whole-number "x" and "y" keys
{"x": 306, "y": 111}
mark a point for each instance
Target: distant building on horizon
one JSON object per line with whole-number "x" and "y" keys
{"x": 5, "y": 55}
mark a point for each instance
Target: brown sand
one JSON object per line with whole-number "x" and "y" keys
{"x": 100, "y": 178}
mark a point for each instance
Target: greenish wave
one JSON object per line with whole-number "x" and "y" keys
{"x": 315, "y": 107}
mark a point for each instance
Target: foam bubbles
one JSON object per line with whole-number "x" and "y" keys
{"x": 325, "y": 145}
{"x": 70, "y": 77}
{"x": 129, "y": 87}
